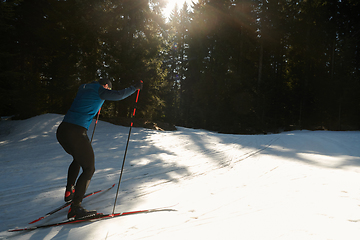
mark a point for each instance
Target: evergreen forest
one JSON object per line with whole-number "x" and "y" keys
{"x": 231, "y": 66}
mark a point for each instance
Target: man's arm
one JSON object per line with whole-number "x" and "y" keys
{"x": 114, "y": 95}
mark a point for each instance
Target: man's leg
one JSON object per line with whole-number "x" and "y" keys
{"x": 75, "y": 141}
{"x": 73, "y": 173}
{"x": 84, "y": 156}
{"x": 87, "y": 162}
{"x": 68, "y": 135}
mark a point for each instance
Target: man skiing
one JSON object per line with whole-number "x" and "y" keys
{"x": 72, "y": 136}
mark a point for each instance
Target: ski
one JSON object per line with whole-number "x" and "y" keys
{"x": 68, "y": 203}
{"x": 97, "y": 217}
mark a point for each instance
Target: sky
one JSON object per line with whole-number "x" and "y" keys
{"x": 171, "y": 4}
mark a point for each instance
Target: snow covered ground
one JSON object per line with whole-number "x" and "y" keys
{"x": 293, "y": 185}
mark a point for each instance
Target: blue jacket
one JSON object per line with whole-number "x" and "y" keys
{"x": 89, "y": 99}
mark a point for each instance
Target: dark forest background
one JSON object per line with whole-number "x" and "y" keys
{"x": 234, "y": 66}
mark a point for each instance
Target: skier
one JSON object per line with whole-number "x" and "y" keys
{"x": 72, "y": 136}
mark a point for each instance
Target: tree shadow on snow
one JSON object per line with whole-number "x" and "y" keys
{"x": 153, "y": 160}
{"x": 325, "y": 149}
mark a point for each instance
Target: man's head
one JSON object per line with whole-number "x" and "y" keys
{"x": 106, "y": 83}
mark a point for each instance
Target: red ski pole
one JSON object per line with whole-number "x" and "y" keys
{"x": 127, "y": 144}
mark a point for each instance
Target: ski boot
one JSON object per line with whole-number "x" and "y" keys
{"x": 69, "y": 193}
{"x": 78, "y": 212}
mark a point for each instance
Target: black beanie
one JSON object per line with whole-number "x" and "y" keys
{"x": 104, "y": 81}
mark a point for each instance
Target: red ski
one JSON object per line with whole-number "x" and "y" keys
{"x": 68, "y": 203}
{"x": 97, "y": 217}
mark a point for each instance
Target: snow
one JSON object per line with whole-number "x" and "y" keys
{"x": 293, "y": 185}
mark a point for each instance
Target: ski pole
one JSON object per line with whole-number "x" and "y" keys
{"x": 97, "y": 118}
{"x": 127, "y": 144}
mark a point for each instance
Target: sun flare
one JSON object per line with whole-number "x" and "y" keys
{"x": 171, "y": 5}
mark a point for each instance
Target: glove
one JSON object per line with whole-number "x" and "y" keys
{"x": 138, "y": 85}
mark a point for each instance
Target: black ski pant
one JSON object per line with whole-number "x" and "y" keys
{"x": 74, "y": 140}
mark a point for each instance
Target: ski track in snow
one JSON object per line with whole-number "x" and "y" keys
{"x": 293, "y": 185}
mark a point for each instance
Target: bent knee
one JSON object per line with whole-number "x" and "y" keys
{"x": 89, "y": 171}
